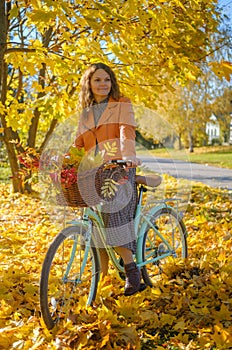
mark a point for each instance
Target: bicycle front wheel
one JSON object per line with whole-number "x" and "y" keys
{"x": 165, "y": 239}
{"x": 69, "y": 276}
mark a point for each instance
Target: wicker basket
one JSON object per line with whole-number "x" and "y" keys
{"x": 85, "y": 192}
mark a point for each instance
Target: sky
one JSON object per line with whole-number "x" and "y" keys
{"x": 227, "y": 7}
{"x": 226, "y": 4}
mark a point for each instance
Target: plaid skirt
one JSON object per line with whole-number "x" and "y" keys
{"x": 118, "y": 217}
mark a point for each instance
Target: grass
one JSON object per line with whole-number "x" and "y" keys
{"x": 220, "y": 156}
{"x": 5, "y": 173}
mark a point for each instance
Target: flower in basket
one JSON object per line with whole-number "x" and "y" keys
{"x": 77, "y": 160}
{"x": 78, "y": 164}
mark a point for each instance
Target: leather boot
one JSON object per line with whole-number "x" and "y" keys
{"x": 132, "y": 279}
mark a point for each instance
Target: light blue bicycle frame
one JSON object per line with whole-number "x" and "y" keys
{"x": 141, "y": 222}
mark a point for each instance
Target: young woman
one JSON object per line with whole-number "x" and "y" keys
{"x": 107, "y": 119}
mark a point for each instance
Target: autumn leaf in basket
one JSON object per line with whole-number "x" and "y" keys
{"x": 109, "y": 189}
{"x": 71, "y": 162}
{"x": 90, "y": 161}
{"x": 78, "y": 161}
{"x": 73, "y": 158}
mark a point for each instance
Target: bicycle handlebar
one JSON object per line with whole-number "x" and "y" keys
{"x": 120, "y": 162}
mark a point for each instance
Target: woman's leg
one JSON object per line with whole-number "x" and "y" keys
{"x": 125, "y": 253}
{"x": 133, "y": 276}
{"x": 104, "y": 260}
{"x": 118, "y": 217}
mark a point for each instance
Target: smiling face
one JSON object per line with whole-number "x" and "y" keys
{"x": 100, "y": 84}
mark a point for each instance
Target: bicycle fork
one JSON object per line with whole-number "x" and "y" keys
{"x": 86, "y": 238}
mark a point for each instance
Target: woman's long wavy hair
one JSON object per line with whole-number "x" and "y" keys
{"x": 86, "y": 96}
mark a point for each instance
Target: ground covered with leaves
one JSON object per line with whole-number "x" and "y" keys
{"x": 189, "y": 308}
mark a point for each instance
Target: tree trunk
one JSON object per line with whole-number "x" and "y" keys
{"x": 7, "y": 137}
{"x": 3, "y": 37}
{"x": 31, "y": 141}
{"x": 48, "y": 134}
{"x": 179, "y": 142}
{"x": 16, "y": 179}
{"x": 191, "y": 145}
{"x": 35, "y": 120}
{"x": 42, "y": 75}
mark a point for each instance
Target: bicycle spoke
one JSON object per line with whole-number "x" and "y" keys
{"x": 164, "y": 241}
{"x": 69, "y": 277}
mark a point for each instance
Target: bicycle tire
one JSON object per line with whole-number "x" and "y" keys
{"x": 172, "y": 228}
{"x": 61, "y": 290}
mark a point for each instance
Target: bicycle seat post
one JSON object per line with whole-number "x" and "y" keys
{"x": 142, "y": 189}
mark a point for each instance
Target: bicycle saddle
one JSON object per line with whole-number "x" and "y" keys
{"x": 148, "y": 180}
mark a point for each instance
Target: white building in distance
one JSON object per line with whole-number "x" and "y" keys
{"x": 213, "y": 130}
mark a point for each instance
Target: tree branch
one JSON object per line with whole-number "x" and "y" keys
{"x": 48, "y": 134}
{"x": 19, "y": 49}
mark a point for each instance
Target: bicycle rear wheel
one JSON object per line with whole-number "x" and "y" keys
{"x": 165, "y": 239}
{"x": 69, "y": 277}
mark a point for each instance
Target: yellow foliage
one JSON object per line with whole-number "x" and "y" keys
{"x": 189, "y": 308}
{"x": 222, "y": 69}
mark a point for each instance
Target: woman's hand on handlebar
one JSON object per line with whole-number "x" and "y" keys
{"x": 126, "y": 162}
{"x": 122, "y": 167}
{"x": 132, "y": 162}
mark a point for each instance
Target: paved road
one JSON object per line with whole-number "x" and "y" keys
{"x": 209, "y": 175}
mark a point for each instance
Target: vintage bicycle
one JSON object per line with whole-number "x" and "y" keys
{"x": 71, "y": 268}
